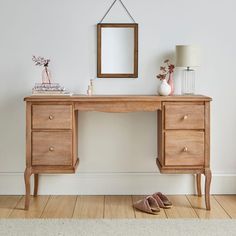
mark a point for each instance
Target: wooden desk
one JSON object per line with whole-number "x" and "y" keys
{"x": 183, "y": 133}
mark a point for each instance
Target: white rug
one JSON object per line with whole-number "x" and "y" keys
{"x": 61, "y": 227}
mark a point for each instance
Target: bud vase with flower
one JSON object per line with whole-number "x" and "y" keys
{"x": 168, "y": 69}
{"x": 46, "y": 73}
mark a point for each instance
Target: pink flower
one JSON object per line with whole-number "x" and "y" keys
{"x": 165, "y": 70}
{"x": 171, "y": 68}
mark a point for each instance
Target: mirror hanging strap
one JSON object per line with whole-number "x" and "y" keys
{"x": 122, "y": 4}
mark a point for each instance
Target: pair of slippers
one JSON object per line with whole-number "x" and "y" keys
{"x": 152, "y": 203}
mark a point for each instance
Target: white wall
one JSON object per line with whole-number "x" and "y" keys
{"x": 117, "y": 151}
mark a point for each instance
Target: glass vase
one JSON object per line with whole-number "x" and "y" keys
{"x": 46, "y": 76}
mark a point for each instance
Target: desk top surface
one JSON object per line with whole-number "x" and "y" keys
{"x": 112, "y": 98}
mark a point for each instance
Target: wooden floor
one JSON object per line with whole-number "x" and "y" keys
{"x": 184, "y": 206}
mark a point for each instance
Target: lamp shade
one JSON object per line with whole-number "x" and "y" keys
{"x": 187, "y": 56}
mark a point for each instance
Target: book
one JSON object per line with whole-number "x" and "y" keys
{"x": 49, "y": 89}
{"x": 47, "y": 92}
{"x": 66, "y": 93}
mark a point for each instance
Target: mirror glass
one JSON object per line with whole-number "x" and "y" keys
{"x": 117, "y": 50}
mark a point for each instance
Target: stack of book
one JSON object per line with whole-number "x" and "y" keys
{"x": 49, "y": 89}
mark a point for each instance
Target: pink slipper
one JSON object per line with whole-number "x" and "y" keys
{"x": 148, "y": 205}
{"x": 162, "y": 200}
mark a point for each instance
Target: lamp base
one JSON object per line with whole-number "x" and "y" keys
{"x": 188, "y": 82}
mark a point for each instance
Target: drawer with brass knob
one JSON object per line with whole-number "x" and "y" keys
{"x": 183, "y": 116}
{"x": 52, "y": 148}
{"x": 184, "y": 148}
{"x": 52, "y": 116}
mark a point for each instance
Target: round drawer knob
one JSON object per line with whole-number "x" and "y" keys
{"x": 51, "y": 117}
{"x": 185, "y": 117}
{"x": 185, "y": 149}
{"x": 51, "y": 149}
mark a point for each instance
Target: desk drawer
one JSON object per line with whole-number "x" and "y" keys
{"x": 52, "y": 116}
{"x": 184, "y": 148}
{"x": 52, "y": 148}
{"x": 184, "y": 116}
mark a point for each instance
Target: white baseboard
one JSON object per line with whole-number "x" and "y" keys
{"x": 115, "y": 183}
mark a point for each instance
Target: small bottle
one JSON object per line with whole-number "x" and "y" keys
{"x": 90, "y": 88}
{"x": 89, "y": 91}
{"x": 91, "y": 85}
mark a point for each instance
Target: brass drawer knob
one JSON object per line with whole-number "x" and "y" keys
{"x": 185, "y": 149}
{"x": 51, "y": 117}
{"x": 51, "y": 149}
{"x": 185, "y": 117}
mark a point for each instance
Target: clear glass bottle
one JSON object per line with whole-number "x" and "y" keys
{"x": 46, "y": 76}
{"x": 188, "y": 82}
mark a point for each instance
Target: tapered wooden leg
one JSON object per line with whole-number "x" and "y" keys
{"x": 27, "y": 187}
{"x": 36, "y": 183}
{"x": 199, "y": 188}
{"x": 207, "y": 188}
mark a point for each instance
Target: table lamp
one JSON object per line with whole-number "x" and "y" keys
{"x": 187, "y": 56}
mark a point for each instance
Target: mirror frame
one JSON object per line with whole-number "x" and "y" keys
{"x": 99, "y": 49}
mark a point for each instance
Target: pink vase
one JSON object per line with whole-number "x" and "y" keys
{"x": 171, "y": 83}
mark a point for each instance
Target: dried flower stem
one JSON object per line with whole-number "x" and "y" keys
{"x": 40, "y": 61}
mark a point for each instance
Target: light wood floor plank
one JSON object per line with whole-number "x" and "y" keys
{"x": 222, "y": 206}
{"x": 89, "y": 207}
{"x": 198, "y": 203}
{"x": 140, "y": 214}
{"x": 228, "y": 202}
{"x": 37, "y": 205}
{"x": 181, "y": 208}
{"x": 7, "y": 204}
{"x": 118, "y": 207}
{"x": 59, "y": 207}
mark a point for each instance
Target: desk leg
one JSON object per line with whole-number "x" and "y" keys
{"x": 36, "y": 184}
{"x": 27, "y": 187}
{"x": 207, "y": 188}
{"x": 199, "y": 188}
